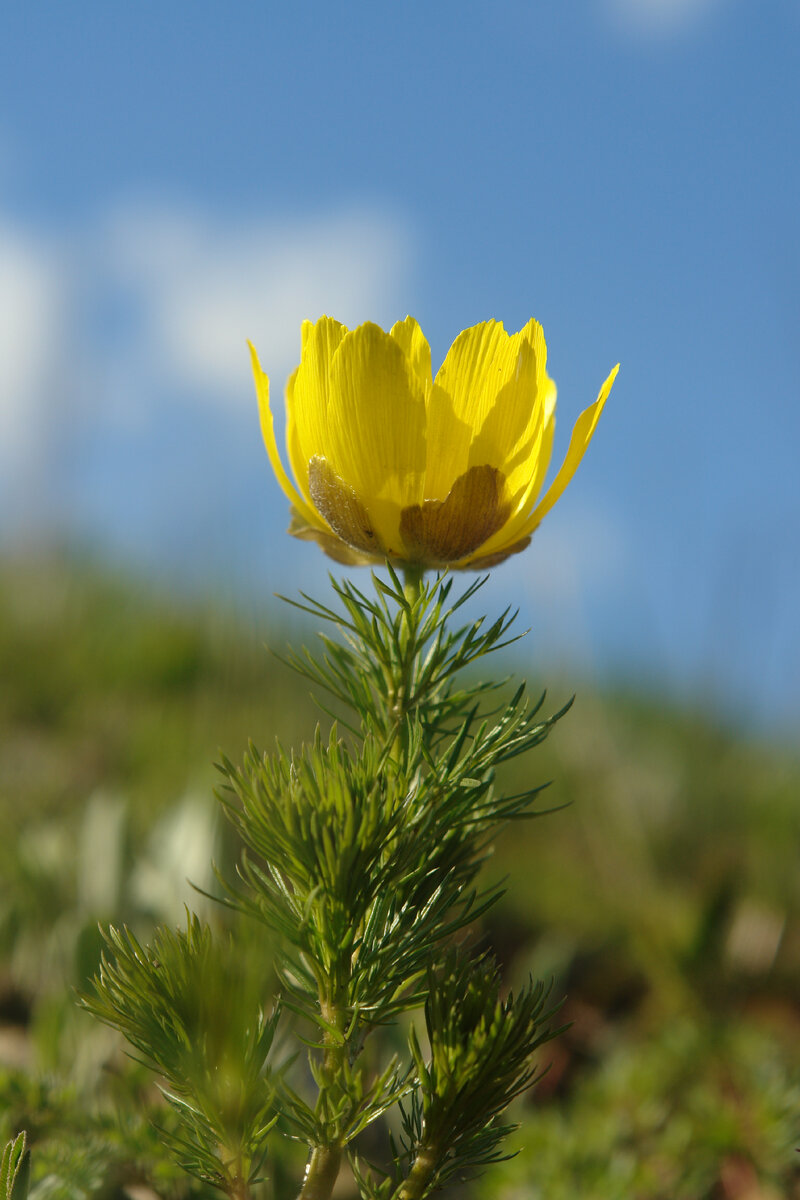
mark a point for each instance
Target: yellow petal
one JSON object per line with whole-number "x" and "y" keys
{"x": 376, "y": 427}
{"x": 309, "y": 399}
{"x": 268, "y": 434}
{"x": 469, "y": 373}
{"x": 539, "y": 466}
{"x": 414, "y": 344}
{"x": 465, "y": 387}
{"x": 466, "y": 426}
{"x": 581, "y": 436}
{"x": 534, "y": 470}
{"x": 297, "y": 460}
{"x": 480, "y": 362}
{"x": 539, "y": 450}
{"x": 511, "y": 433}
{"x": 448, "y": 441}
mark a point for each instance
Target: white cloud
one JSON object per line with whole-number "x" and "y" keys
{"x": 658, "y": 18}
{"x": 100, "y": 330}
{"x": 204, "y": 286}
{"x": 31, "y": 338}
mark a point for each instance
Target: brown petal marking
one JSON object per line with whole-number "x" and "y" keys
{"x": 442, "y": 531}
{"x": 493, "y": 560}
{"x": 332, "y": 545}
{"x": 336, "y": 501}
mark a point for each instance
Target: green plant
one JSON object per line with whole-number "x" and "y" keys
{"x": 362, "y": 852}
{"x": 15, "y": 1169}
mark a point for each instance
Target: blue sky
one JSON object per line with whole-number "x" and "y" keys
{"x": 176, "y": 178}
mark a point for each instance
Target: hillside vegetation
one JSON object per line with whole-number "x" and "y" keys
{"x": 662, "y": 898}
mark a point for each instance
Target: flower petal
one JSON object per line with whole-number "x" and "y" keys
{"x": 414, "y": 344}
{"x": 472, "y": 374}
{"x": 297, "y": 461}
{"x": 511, "y": 433}
{"x": 535, "y": 469}
{"x": 581, "y": 436}
{"x": 337, "y": 502}
{"x": 330, "y": 543}
{"x": 483, "y": 408}
{"x": 482, "y": 562}
{"x": 444, "y": 531}
{"x": 375, "y": 441}
{"x": 448, "y": 441}
{"x": 480, "y": 362}
{"x": 268, "y": 434}
{"x": 308, "y": 401}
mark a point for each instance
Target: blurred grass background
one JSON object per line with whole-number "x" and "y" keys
{"x": 663, "y": 900}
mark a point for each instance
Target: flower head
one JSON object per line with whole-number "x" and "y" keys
{"x": 391, "y": 463}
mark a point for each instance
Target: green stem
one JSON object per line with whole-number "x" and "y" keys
{"x": 322, "y": 1173}
{"x": 240, "y": 1190}
{"x": 420, "y": 1176}
{"x": 325, "y": 1161}
{"x": 412, "y": 583}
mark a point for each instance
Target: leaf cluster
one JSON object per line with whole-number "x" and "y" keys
{"x": 396, "y": 655}
{"x": 193, "y": 1009}
{"x": 480, "y": 1049}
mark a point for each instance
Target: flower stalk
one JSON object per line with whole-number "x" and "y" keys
{"x": 325, "y": 1160}
{"x": 323, "y": 1171}
{"x": 421, "y": 1175}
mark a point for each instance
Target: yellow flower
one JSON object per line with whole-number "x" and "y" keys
{"x": 392, "y": 463}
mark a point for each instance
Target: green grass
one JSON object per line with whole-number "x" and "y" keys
{"x": 664, "y": 901}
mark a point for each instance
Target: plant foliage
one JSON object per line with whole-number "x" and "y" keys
{"x": 362, "y": 851}
{"x": 15, "y": 1170}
